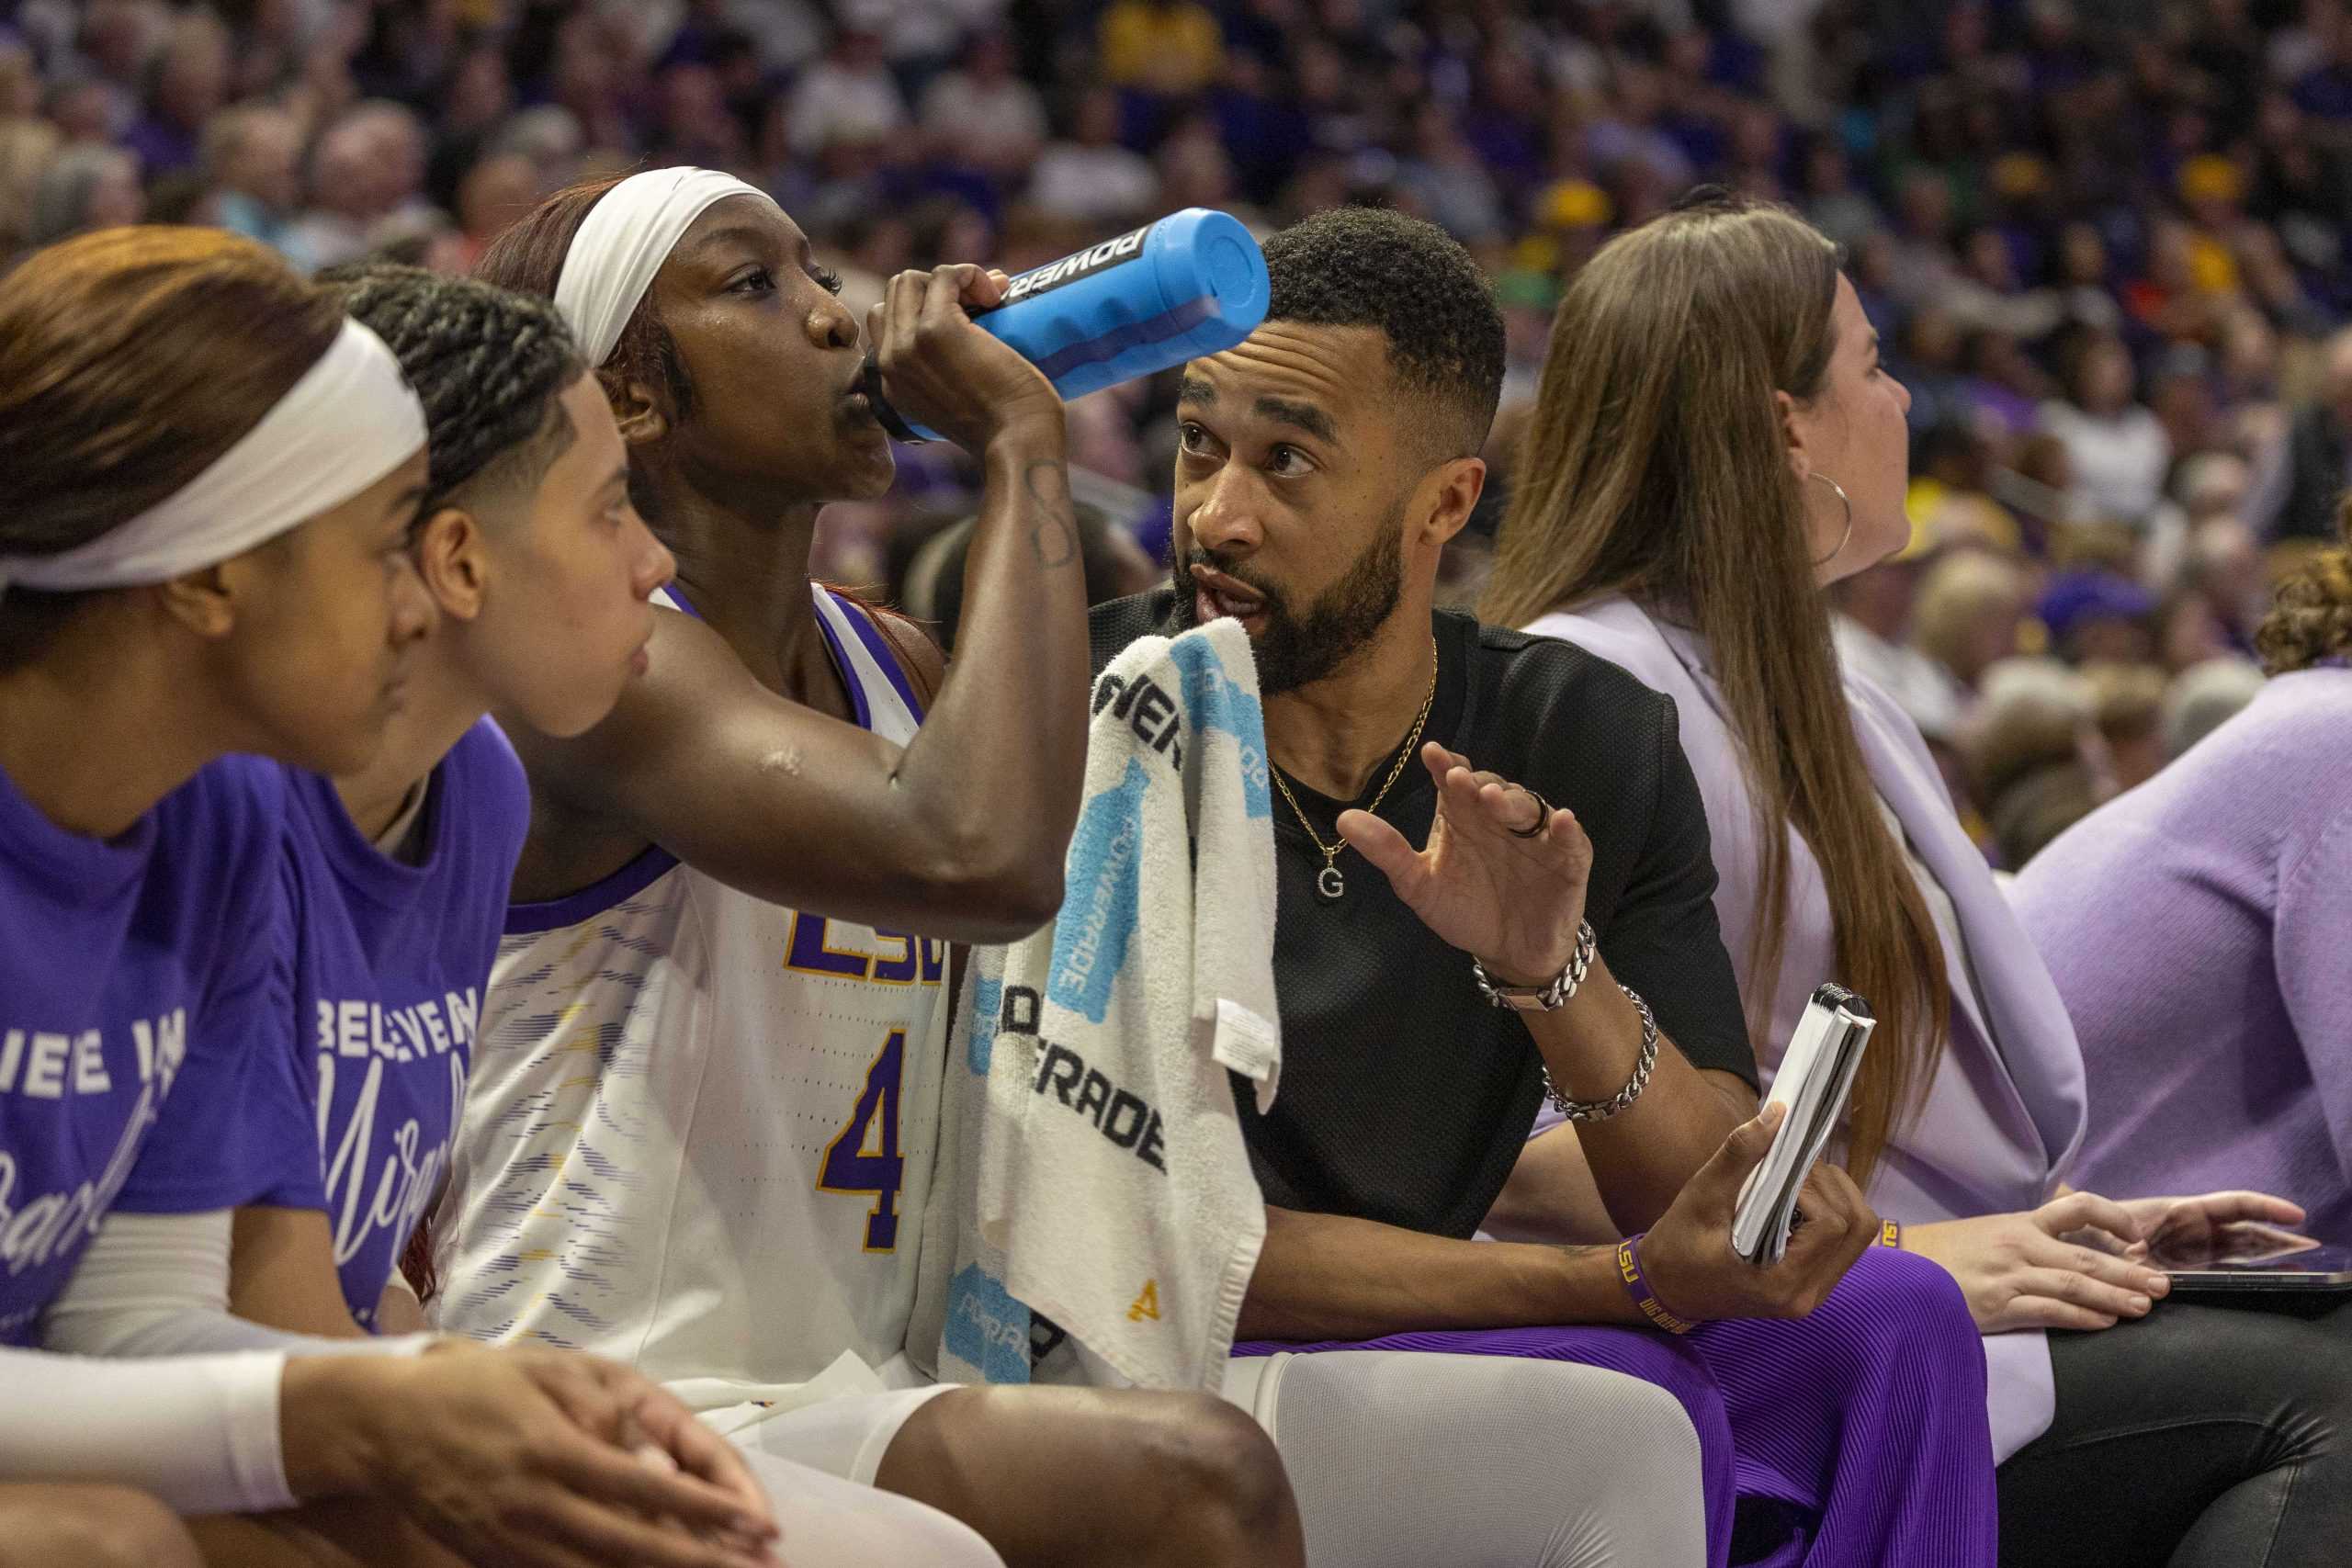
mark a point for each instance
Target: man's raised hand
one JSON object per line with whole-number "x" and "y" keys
{"x": 1512, "y": 902}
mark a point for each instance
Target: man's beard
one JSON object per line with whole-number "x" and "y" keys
{"x": 1294, "y": 650}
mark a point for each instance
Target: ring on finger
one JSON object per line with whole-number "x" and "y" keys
{"x": 1543, "y": 817}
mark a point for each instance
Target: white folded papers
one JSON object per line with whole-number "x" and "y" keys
{"x": 1815, "y": 1078}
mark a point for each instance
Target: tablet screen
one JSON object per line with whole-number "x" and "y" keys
{"x": 2250, "y": 1247}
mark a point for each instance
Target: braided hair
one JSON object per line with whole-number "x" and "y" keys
{"x": 488, "y": 365}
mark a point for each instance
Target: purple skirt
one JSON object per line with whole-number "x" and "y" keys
{"x": 1857, "y": 1435}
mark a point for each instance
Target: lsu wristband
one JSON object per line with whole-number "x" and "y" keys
{"x": 1890, "y": 1235}
{"x": 1629, "y": 1271}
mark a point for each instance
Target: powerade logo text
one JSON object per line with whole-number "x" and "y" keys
{"x": 987, "y": 1327}
{"x": 1070, "y": 269}
{"x": 1098, "y": 916}
{"x": 1128, "y": 1120}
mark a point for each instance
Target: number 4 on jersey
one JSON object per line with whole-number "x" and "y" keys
{"x": 864, "y": 1157}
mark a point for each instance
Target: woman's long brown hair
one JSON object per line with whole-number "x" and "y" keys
{"x": 1657, "y": 467}
{"x": 130, "y": 359}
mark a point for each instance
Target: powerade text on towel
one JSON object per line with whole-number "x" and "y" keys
{"x": 1097, "y": 1171}
{"x": 1192, "y": 284}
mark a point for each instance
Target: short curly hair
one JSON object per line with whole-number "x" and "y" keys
{"x": 1366, "y": 266}
{"x": 488, "y": 363}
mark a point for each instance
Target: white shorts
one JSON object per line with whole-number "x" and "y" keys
{"x": 844, "y": 1436}
{"x": 828, "y": 1523}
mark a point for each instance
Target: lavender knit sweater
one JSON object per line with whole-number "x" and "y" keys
{"x": 2201, "y": 930}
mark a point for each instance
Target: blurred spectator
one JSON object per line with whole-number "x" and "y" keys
{"x": 934, "y": 589}
{"x": 1450, "y": 186}
{"x": 253, "y": 155}
{"x": 982, "y": 116}
{"x": 191, "y": 82}
{"x": 1167, "y": 48}
{"x": 2108, "y": 246}
{"x": 2099, "y": 616}
{"x": 1090, "y": 176}
{"x": 1989, "y": 297}
{"x": 2034, "y": 811}
{"x": 2214, "y": 486}
{"x": 496, "y": 192}
{"x": 369, "y": 169}
{"x": 2297, "y": 498}
{"x": 2119, "y": 452}
{"x": 2203, "y": 699}
{"x": 2187, "y": 632}
{"x": 2225, "y": 567}
{"x": 86, "y": 187}
{"x": 1970, "y": 607}
{"x": 20, "y": 88}
{"x": 2127, "y": 706}
{"x": 1872, "y": 625}
{"x": 2086, "y": 288}
{"x": 1829, "y": 199}
{"x": 849, "y": 95}
{"x": 1950, "y": 501}
{"x": 922, "y": 36}
{"x": 2035, "y": 759}
{"x": 1193, "y": 168}
{"x": 27, "y": 147}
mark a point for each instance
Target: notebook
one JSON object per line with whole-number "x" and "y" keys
{"x": 1815, "y": 1076}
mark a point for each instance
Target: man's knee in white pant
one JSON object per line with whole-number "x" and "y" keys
{"x": 1399, "y": 1455}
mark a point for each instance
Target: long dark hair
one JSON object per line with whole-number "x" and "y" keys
{"x": 1656, "y": 468}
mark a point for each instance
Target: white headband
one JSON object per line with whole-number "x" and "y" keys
{"x": 347, "y": 423}
{"x": 628, "y": 235}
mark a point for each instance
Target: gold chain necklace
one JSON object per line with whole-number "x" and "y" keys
{"x": 1329, "y": 885}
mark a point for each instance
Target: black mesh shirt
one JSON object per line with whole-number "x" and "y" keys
{"x": 1404, "y": 1097}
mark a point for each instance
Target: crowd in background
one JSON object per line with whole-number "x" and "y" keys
{"x": 2104, "y": 242}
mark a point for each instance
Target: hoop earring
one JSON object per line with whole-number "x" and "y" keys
{"x": 1843, "y": 500}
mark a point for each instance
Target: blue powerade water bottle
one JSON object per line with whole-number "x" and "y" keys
{"x": 1192, "y": 284}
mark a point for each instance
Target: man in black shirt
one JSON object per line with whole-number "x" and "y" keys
{"x": 1322, "y": 466}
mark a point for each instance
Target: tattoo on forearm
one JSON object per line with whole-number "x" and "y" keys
{"x": 1054, "y": 539}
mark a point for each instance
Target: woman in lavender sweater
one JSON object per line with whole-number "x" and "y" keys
{"x": 1677, "y": 510}
{"x": 2197, "y": 929}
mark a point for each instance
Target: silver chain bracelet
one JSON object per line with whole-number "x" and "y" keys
{"x": 1602, "y": 1109}
{"x": 1555, "y": 993}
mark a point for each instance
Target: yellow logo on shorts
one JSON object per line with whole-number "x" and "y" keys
{"x": 1147, "y": 1304}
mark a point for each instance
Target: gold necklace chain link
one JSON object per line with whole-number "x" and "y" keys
{"x": 1331, "y": 853}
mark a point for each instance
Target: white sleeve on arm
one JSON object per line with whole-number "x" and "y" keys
{"x": 158, "y": 1285}
{"x": 200, "y": 1432}
{"x": 146, "y": 1379}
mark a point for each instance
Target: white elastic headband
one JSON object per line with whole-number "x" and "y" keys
{"x": 628, "y": 235}
{"x": 347, "y": 423}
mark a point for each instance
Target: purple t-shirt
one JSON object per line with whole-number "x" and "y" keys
{"x": 137, "y": 990}
{"x": 387, "y": 964}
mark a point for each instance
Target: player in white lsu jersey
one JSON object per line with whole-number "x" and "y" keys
{"x": 700, "y": 1131}
{"x": 705, "y": 1125}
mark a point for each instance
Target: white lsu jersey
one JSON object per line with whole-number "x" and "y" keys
{"x": 701, "y": 1128}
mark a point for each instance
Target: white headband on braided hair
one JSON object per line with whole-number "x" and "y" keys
{"x": 347, "y": 423}
{"x": 627, "y": 236}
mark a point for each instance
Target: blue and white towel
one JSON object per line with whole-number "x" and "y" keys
{"x": 1096, "y": 1169}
